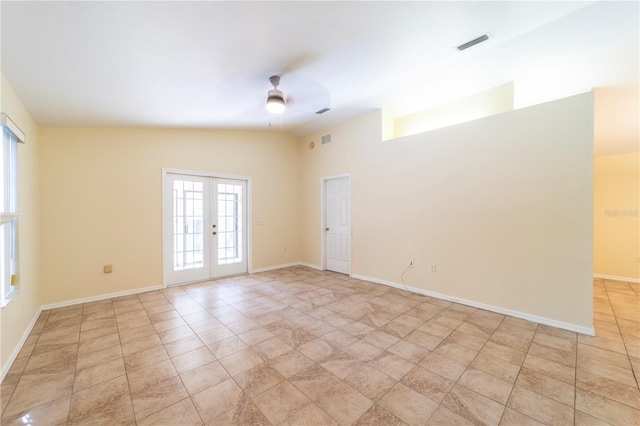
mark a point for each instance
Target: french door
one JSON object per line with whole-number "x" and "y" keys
{"x": 205, "y": 223}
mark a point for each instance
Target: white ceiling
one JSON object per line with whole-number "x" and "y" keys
{"x": 206, "y": 64}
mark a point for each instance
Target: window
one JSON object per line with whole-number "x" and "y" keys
{"x": 9, "y": 283}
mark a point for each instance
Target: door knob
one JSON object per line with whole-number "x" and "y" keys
{"x": 326, "y": 229}
{"x": 214, "y": 233}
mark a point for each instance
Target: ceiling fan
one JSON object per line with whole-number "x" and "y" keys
{"x": 292, "y": 95}
{"x": 276, "y": 103}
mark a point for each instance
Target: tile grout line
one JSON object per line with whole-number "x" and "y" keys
{"x": 626, "y": 350}
{"x": 519, "y": 367}
{"x": 126, "y": 373}
{"x": 171, "y": 358}
{"x": 25, "y": 365}
{"x": 575, "y": 381}
{"x": 75, "y": 367}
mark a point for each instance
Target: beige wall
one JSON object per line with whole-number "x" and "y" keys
{"x": 351, "y": 151}
{"x": 502, "y": 205}
{"x": 17, "y": 315}
{"x": 616, "y": 222}
{"x": 101, "y": 200}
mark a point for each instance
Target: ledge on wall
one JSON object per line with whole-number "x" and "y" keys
{"x": 478, "y": 105}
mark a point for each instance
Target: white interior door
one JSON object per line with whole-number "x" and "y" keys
{"x": 338, "y": 224}
{"x": 204, "y": 233}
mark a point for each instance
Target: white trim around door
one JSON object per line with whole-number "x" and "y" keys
{"x": 204, "y": 264}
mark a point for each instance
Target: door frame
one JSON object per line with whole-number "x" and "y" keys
{"x": 323, "y": 221}
{"x": 166, "y": 215}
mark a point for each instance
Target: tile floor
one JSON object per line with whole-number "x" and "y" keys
{"x": 302, "y": 347}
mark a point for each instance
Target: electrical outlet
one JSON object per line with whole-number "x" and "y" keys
{"x": 433, "y": 267}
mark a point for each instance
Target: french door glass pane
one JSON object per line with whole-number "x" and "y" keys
{"x": 230, "y": 211}
{"x": 188, "y": 230}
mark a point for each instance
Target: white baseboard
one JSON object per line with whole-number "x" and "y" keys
{"x": 18, "y": 348}
{"x": 590, "y": 331}
{"x": 379, "y": 281}
{"x": 311, "y": 265}
{"x": 100, "y": 297}
{"x": 273, "y": 268}
{"x": 615, "y": 278}
{"x": 285, "y": 265}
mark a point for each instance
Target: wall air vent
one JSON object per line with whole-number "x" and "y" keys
{"x": 322, "y": 111}
{"x": 473, "y": 42}
{"x": 326, "y": 139}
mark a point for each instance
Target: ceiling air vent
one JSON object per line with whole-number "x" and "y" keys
{"x": 326, "y": 139}
{"x": 473, "y": 42}
{"x": 322, "y": 111}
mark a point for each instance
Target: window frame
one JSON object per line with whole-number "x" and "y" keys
{"x": 9, "y": 211}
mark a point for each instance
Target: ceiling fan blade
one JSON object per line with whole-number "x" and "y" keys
{"x": 289, "y": 101}
{"x": 296, "y": 63}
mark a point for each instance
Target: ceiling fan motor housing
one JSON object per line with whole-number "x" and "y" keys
{"x": 275, "y": 97}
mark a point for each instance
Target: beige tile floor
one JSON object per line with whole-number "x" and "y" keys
{"x": 302, "y": 347}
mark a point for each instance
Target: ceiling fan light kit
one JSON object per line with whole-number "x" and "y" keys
{"x": 275, "y": 97}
